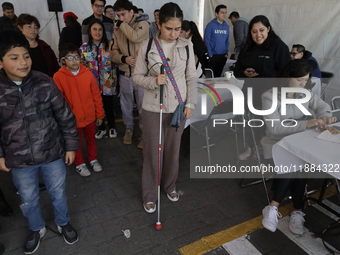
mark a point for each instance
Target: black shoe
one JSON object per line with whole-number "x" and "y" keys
{"x": 69, "y": 233}
{"x": 5, "y": 209}
{"x": 33, "y": 241}
{"x": 2, "y": 249}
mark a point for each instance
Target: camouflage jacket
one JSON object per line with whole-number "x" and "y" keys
{"x": 37, "y": 125}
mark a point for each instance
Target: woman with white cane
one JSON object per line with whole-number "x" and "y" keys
{"x": 180, "y": 96}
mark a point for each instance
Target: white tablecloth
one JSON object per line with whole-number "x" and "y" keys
{"x": 224, "y": 93}
{"x": 304, "y": 147}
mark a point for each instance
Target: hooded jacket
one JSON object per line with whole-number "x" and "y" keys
{"x": 82, "y": 93}
{"x": 182, "y": 68}
{"x": 36, "y": 123}
{"x": 216, "y": 37}
{"x": 314, "y": 64}
{"x": 128, "y": 39}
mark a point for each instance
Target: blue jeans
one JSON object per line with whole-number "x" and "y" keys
{"x": 27, "y": 182}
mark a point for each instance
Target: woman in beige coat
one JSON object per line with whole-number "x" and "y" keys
{"x": 147, "y": 75}
{"x": 295, "y": 74}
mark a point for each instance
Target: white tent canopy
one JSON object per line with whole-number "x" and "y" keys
{"x": 312, "y": 23}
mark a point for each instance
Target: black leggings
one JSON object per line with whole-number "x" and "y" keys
{"x": 297, "y": 188}
{"x": 108, "y": 108}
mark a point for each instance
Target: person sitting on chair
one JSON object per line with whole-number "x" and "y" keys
{"x": 295, "y": 74}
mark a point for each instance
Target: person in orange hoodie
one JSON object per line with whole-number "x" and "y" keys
{"x": 80, "y": 89}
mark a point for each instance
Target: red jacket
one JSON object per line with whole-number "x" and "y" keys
{"x": 82, "y": 93}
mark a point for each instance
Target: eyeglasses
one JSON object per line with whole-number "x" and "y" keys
{"x": 31, "y": 27}
{"x": 110, "y": 12}
{"x": 294, "y": 53}
{"x": 70, "y": 58}
{"x": 99, "y": 6}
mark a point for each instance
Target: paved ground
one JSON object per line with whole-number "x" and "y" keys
{"x": 104, "y": 204}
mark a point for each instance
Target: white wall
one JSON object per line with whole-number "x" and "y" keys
{"x": 312, "y": 23}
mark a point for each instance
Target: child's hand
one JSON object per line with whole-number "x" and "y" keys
{"x": 69, "y": 157}
{"x": 3, "y": 166}
{"x": 99, "y": 122}
{"x": 188, "y": 112}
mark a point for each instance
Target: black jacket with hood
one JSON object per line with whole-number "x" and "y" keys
{"x": 37, "y": 125}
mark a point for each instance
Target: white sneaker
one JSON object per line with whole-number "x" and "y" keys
{"x": 245, "y": 155}
{"x": 270, "y": 214}
{"x": 82, "y": 170}
{"x": 100, "y": 134}
{"x": 96, "y": 166}
{"x": 112, "y": 133}
{"x": 296, "y": 222}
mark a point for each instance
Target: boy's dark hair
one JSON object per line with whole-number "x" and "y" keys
{"x": 135, "y": 9}
{"x": 295, "y": 69}
{"x": 7, "y": 6}
{"x": 219, "y": 7}
{"x": 104, "y": 41}
{"x": 170, "y": 11}
{"x": 92, "y": 1}
{"x": 299, "y": 47}
{"x": 68, "y": 48}
{"x": 157, "y": 10}
{"x": 11, "y": 39}
{"x": 234, "y": 14}
{"x": 107, "y": 7}
{"x": 140, "y": 9}
{"x": 122, "y": 5}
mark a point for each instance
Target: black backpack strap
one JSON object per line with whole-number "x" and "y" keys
{"x": 187, "y": 50}
{"x": 147, "y": 51}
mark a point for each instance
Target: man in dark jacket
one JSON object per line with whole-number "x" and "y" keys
{"x": 7, "y": 22}
{"x": 38, "y": 134}
{"x": 299, "y": 52}
{"x": 240, "y": 31}
{"x": 98, "y": 10}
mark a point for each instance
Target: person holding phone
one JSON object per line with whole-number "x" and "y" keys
{"x": 263, "y": 55}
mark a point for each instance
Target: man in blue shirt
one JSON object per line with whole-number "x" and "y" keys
{"x": 216, "y": 37}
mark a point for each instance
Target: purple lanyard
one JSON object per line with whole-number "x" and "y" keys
{"x": 168, "y": 70}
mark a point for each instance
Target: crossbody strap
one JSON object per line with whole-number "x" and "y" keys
{"x": 168, "y": 70}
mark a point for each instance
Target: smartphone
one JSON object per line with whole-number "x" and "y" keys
{"x": 250, "y": 70}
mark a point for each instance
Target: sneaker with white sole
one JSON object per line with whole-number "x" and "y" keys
{"x": 140, "y": 143}
{"x": 69, "y": 233}
{"x": 149, "y": 207}
{"x": 128, "y": 136}
{"x": 296, "y": 222}
{"x": 270, "y": 214}
{"x": 173, "y": 196}
{"x": 112, "y": 133}
{"x": 245, "y": 155}
{"x": 100, "y": 134}
{"x": 96, "y": 166}
{"x": 33, "y": 241}
{"x": 82, "y": 170}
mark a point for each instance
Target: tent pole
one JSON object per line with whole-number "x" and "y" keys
{"x": 56, "y": 14}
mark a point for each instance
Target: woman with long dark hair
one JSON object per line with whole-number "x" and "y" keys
{"x": 183, "y": 79}
{"x": 263, "y": 55}
{"x": 72, "y": 32}
{"x": 295, "y": 74}
{"x": 190, "y": 31}
{"x": 43, "y": 57}
{"x": 96, "y": 56}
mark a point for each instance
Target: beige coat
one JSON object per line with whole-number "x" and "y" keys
{"x": 184, "y": 73}
{"x": 127, "y": 41}
{"x": 277, "y": 132}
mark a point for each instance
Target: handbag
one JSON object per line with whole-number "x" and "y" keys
{"x": 178, "y": 114}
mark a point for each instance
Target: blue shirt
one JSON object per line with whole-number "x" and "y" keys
{"x": 216, "y": 37}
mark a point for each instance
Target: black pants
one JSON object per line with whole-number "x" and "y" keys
{"x": 216, "y": 63}
{"x": 297, "y": 188}
{"x": 110, "y": 116}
